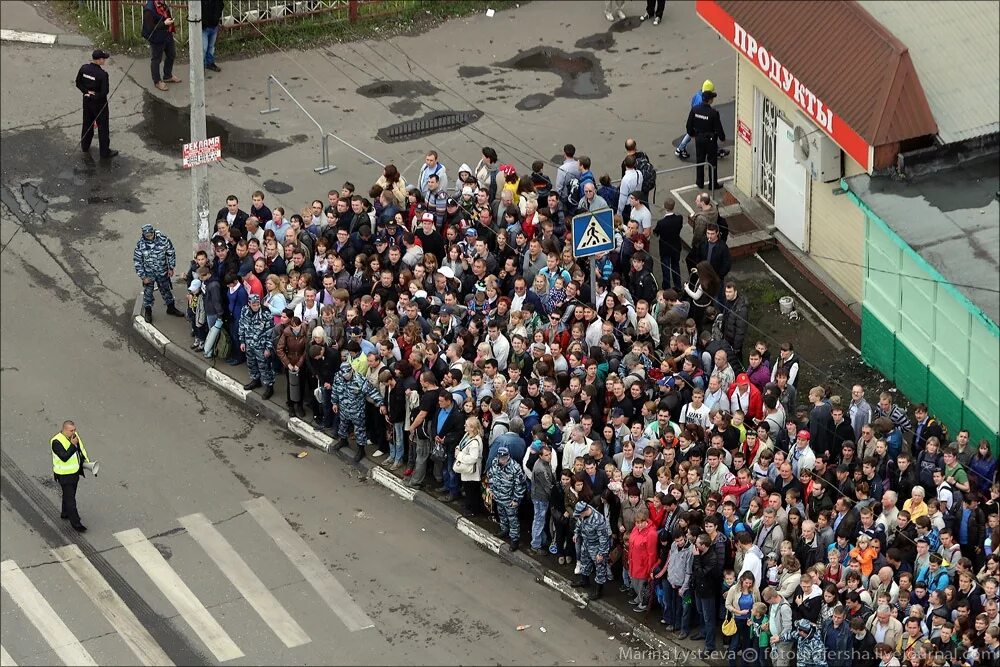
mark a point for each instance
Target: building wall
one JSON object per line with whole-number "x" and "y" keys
{"x": 927, "y": 337}
{"x": 834, "y": 226}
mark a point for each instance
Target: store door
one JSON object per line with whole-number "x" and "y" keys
{"x": 766, "y": 115}
{"x": 789, "y": 188}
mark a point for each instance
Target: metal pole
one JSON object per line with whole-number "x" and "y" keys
{"x": 199, "y": 174}
{"x": 270, "y": 106}
{"x": 593, "y": 279}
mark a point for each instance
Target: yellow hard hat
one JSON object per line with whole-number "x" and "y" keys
{"x": 707, "y": 86}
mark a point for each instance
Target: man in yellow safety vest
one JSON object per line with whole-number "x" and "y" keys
{"x": 68, "y": 457}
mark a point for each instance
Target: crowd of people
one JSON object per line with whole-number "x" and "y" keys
{"x": 629, "y": 431}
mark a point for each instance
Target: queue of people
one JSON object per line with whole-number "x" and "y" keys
{"x": 624, "y": 432}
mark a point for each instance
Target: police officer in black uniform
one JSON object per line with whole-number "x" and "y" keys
{"x": 705, "y": 126}
{"x": 92, "y": 81}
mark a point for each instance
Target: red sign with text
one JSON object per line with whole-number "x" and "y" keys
{"x": 743, "y": 130}
{"x": 202, "y": 152}
{"x": 821, "y": 114}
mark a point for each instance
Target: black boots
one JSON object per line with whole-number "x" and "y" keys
{"x": 339, "y": 444}
{"x": 582, "y": 582}
{"x": 596, "y": 592}
{"x": 360, "y": 453}
{"x": 171, "y": 310}
{"x": 253, "y": 384}
{"x": 147, "y": 314}
{"x": 268, "y": 391}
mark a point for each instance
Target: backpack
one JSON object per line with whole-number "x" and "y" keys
{"x": 648, "y": 171}
{"x": 224, "y": 347}
{"x": 574, "y": 188}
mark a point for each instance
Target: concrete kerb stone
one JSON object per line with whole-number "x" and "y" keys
{"x": 226, "y": 384}
{"x": 150, "y": 333}
{"x": 316, "y": 439}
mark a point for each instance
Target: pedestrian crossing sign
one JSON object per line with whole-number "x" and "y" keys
{"x": 593, "y": 232}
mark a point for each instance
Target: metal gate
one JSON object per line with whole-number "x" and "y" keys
{"x": 767, "y": 115}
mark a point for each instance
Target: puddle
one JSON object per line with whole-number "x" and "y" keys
{"x": 277, "y": 187}
{"x": 582, "y": 75}
{"x": 405, "y": 107}
{"x": 166, "y": 128}
{"x": 533, "y": 102}
{"x": 397, "y": 89}
{"x": 470, "y": 71}
{"x": 626, "y": 24}
{"x": 599, "y": 42}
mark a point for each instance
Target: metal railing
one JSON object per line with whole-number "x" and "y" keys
{"x": 324, "y": 135}
{"x": 324, "y": 150}
{"x": 711, "y": 178}
{"x": 123, "y": 18}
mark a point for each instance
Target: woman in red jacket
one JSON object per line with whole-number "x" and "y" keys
{"x": 641, "y": 557}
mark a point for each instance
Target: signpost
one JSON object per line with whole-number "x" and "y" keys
{"x": 593, "y": 233}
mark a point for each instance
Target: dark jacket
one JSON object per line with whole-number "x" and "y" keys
{"x": 668, "y": 230}
{"x": 721, "y": 260}
{"x": 323, "y": 369}
{"x": 643, "y": 286}
{"x": 734, "y": 321}
{"x": 706, "y": 572}
{"x": 452, "y": 429}
{"x": 211, "y": 13}
{"x": 239, "y": 225}
{"x": 154, "y": 30}
{"x": 214, "y": 304}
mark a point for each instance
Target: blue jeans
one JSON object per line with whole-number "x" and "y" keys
{"x": 708, "y": 609}
{"x": 451, "y": 481}
{"x": 209, "y": 36}
{"x": 539, "y": 522}
{"x": 684, "y": 142}
{"x": 675, "y": 612}
{"x": 396, "y": 446}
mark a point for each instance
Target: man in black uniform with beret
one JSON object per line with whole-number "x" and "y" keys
{"x": 92, "y": 81}
{"x": 705, "y": 126}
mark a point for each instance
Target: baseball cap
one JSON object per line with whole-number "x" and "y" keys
{"x": 467, "y": 190}
{"x": 427, "y": 216}
{"x": 98, "y": 54}
{"x": 446, "y": 310}
{"x": 447, "y": 272}
{"x": 580, "y": 508}
{"x": 503, "y": 451}
{"x": 742, "y": 378}
{"x": 451, "y": 202}
{"x": 354, "y": 331}
{"x": 617, "y": 412}
{"x": 802, "y": 435}
{"x": 381, "y": 238}
{"x": 195, "y": 286}
{"x": 667, "y": 382}
{"x": 471, "y": 232}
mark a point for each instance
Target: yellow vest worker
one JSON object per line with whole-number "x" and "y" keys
{"x": 68, "y": 457}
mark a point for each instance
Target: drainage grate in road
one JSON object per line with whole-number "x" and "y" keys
{"x": 432, "y": 123}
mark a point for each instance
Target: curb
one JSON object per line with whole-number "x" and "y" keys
{"x": 319, "y": 440}
{"x": 43, "y": 38}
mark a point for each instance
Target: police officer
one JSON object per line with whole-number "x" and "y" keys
{"x": 92, "y": 81}
{"x": 592, "y": 538}
{"x": 255, "y": 339}
{"x": 68, "y": 457}
{"x": 705, "y": 126}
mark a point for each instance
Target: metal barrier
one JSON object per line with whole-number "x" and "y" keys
{"x": 324, "y": 148}
{"x": 711, "y": 174}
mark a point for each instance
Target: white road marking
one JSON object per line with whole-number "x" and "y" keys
{"x": 5, "y": 659}
{"x": 180, "y": 596}
{"x": 43, "y": 616}
{"x": 246, "y": 582}
{"x": 111, "y": 605}
{"x": 22, "y": 36}
{"x": 308, "y": 563}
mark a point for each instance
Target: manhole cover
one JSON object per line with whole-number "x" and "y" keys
{"x": 432, "y": 123}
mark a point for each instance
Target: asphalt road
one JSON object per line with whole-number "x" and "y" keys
{"x": 191, "y": 549}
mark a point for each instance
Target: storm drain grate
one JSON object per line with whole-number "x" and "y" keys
{"x": 432, "y": 123}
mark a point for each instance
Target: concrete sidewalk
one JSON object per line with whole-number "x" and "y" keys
{"x": 22, "y": 21}
{"x": 170, "y": 337}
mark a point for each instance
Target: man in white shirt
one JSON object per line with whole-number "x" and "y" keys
{"x": 432, "y": 166}
{"x": 500, "y": 346}
{"x": 631, "y": 182}
{"x": 577, "y": 445}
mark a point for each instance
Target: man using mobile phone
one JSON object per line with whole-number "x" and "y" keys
{"x": 158, "y": 29}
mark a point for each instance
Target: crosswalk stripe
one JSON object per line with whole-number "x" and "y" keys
{"x": 43, "y": 616}
{"x": 111, "y": 605}
{"x": 180, "y": 596}
{"x": 246, "y": 582}
{"x": 5, "y": 659}
{"x": 308, "y": 563}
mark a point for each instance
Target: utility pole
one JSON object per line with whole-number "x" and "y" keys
{"x": 199, "y": 173}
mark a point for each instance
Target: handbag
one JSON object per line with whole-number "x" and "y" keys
{"x": 224, "y": 347}
{"x": 438, "y": 453}
{"x": 729, "y": 625}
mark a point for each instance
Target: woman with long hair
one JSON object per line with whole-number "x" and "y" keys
{"x": 701, "y": 288}
{"x": 392, "y": 181}
{"x": 468, "y": 460}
